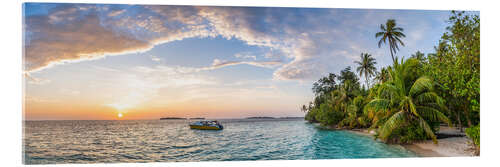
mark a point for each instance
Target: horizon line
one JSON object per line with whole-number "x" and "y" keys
{"x": 154, "y": 119}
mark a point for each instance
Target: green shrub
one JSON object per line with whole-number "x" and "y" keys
{"x": 408, "y": 134}
{"x": 327, "y": 116}
{"x": 473, "y": 133}
{"x": 311, "y": 115}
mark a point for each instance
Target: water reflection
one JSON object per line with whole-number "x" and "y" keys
{"x": 51, "y": 142}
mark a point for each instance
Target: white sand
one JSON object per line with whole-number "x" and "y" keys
{"x": 447, "y": 147}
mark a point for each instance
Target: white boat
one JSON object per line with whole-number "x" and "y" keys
{"x": 206, "y": 125}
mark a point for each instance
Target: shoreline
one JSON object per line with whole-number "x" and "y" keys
{"x": 446, "y": 147}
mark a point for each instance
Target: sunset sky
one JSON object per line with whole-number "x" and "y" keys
{"x": 86, "y": 61}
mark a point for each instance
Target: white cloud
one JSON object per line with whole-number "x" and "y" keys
{"x": 220, "y": 63}
{"x": 116, "y": 13}
{"x": 245, "y": 55}
{"x": 69, "y": 92}
{"x": 39, "y": 100}
{"x": 306, "y": 39}
{"x": 156, "y": 59}
{"x": 35, "y": 81}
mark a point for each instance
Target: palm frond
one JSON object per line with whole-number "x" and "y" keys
{"x": 388, "y": 90}
{"x": 378, "y": 34}
{"x": 392, "y": 123}
{"x": 400, "y": 41}
{"x": 412, "y": 107}
{"x": 377, "y": 105}
{"x": 427, "y": 130}
{"x": 429, "y": 97}
{"x": 421, "y": 84}
{"x": 433, "y": 114}
{"x": 397, "y": 29}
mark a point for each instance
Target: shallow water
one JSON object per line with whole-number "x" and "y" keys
{"x": 50, "y": 142}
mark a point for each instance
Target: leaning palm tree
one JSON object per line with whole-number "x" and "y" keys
{"x": 392, "y": 34}
{"x": 366, "y": 67}
{"x": 402, "y": 101}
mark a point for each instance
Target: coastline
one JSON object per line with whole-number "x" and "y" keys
{"x": 446, "y": 147}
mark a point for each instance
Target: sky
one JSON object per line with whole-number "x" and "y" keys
{"x": 95, "y": 62}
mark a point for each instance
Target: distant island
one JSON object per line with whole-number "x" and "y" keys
{"x": 168, "y": 118}
{"x": 260, "y": 118}
{"x": 291, "y": 118}
{"x": 274, "y": 118}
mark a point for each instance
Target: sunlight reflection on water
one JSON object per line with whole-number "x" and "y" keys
{"x": 51, "y": 142}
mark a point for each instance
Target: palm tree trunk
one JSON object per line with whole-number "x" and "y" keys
{"x": 456, "y": 113}
{"x": 390, "y": 49}
{"x": 460, "y": 122}
{"x": 466, "y": 113}
{"x": 367, "y": 86}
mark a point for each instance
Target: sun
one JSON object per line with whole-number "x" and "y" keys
{"x": 120, "y": 115}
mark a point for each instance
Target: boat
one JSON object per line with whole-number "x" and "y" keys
{"x": 206, "y": 125}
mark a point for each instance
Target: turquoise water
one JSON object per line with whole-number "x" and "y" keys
{"x": 51, "y": 142}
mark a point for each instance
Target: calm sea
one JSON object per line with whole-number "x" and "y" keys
{"x": 51, "y": 142}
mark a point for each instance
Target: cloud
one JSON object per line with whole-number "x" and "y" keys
{"x": 70, "y": 34}
{"x": 245, "y": 55}
{"x": 307, "y": 42}
{"x": 107, "y": 69}
{"x": 143, "y": 84}
{"x": 216, "y": 64}
{"x": 70, "y": 92}
{"x": 116, "y": 13}
{"x": 220, "y": 64}
{"x": 39, "y": 100}
{"x": 156, "y": 59}
{"x": 35, "y": 81}
{"x": 77, "y": 40}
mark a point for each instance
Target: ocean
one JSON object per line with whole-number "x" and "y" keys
{"x": 63, "y": 142}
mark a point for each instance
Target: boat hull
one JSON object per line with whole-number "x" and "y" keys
{"x": 204, "y": 127}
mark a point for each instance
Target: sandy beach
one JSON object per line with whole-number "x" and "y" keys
{"x": 446, "y": 147}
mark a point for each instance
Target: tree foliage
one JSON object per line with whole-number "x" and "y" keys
{"x": 325, "y": 85}
{"x": 391, "y": 34}
{"x": 366, "y": 67}
{"x": 406, "y": 100}
{"x": 455, "y": 67}
{"x": 411, "y": 98}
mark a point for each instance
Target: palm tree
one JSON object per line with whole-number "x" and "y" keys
{"x": 366, "y": 67}
{"x": 382, "y": 76}
{"x": 419, "y": 56}
{"x": 304, "y": 108}
{"x": 341, "y": 96}
{"x": 402, "y": 101}
{"x": 392, "y": 34}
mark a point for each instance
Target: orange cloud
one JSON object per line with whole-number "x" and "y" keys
{"x": 80, "y": 40}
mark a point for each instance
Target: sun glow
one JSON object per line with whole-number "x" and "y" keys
{"x": 120, "y": 106}
{"x": 120, "y": 115}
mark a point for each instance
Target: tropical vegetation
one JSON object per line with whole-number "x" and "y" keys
{"x": 391, "y": 34}
{"x": 411, "y": 99}
{"x": 366, "y": 67}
